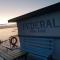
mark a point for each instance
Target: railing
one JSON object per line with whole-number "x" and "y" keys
{"x": 10, "y": 44}
{"x": 9, "y": 49}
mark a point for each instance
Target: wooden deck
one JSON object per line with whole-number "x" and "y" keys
{"x": 9, "y": 54}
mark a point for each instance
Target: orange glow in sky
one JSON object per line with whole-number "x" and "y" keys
{"x": 3, "y": 20}
{"x": 12, "y": 8}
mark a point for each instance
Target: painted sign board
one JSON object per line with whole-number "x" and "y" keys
{"x": 45, "y": 25}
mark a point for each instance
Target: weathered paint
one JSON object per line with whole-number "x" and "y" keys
{"x": 47, "y": 25}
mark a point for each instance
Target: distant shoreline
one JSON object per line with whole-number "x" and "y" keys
{"x": 4, "y": 27}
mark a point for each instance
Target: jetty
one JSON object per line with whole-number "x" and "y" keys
{"x": 8, "y": 54}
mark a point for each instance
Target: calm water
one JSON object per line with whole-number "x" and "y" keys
{"x": 7, "y": 32}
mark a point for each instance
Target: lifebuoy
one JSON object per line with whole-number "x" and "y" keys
{"x": 13, "y": 40}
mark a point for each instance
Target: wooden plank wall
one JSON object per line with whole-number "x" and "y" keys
{"x": 37, "y": 47}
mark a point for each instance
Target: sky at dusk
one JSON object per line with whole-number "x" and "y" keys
{"x": 13, "y": 8}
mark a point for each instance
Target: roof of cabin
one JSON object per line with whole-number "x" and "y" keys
{"x": 45, "y": 10}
